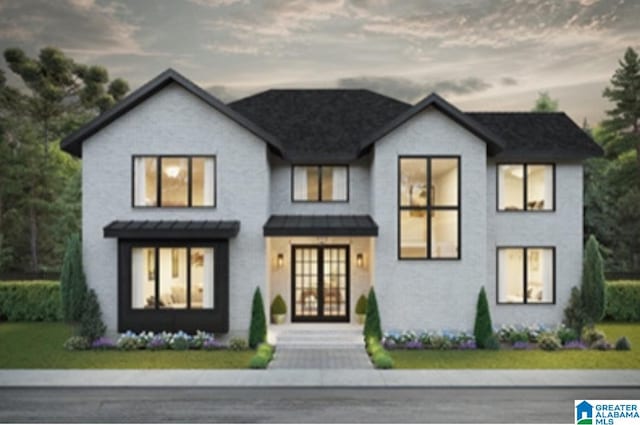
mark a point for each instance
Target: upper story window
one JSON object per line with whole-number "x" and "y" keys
{"x": 320, "y": 183}
{"x": 429, "y": 207}
{"x": 526, "y": 187}
{"x": 174, "y": 181}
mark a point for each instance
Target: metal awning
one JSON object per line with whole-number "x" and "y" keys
{"x": 172, "y": 229}
{"x": 320, "y": 225}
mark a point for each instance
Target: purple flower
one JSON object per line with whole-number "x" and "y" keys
{"x": 574, "y": 345}
{"x": 467, "y": 345}
{"x": 520, "y": 345}
{"x": 212, "y": 344}
{"x": 414, "y": 345}
{"x": 157, "y": 343}
{"x": 103, "y": 343}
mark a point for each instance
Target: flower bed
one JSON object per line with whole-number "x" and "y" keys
{"x": 151, "y": 341}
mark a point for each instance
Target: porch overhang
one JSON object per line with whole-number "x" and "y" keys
{"x": 172, "y": 229}
{"x": 320, "y": 225}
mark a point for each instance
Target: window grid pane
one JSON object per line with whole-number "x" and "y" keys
{"x": 526, "y": 275}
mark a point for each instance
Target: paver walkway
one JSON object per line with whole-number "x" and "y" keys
{"x": 318, "y": 346}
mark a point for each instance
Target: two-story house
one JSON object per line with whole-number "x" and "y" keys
{"x": 189, "y": 204}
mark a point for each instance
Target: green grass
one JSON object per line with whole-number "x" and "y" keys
{"x": 39, "y": 346}
{"x": 534, "y": 359}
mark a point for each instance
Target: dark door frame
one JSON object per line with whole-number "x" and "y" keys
{"x": 320, "y": 317}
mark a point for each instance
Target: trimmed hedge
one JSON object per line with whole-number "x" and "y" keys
{"x": 30, "y": 301}
{"x": 623, "y": 300}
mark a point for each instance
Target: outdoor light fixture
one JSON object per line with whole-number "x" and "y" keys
{"x": 360, "y": 260}
{"x": 280, "y": 260}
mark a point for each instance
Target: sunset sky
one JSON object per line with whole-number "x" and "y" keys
{"x": 479, "y": 54}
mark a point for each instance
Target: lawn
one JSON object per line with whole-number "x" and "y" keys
{"x": 39, "y": 346}
{"x": 534, "y": 359}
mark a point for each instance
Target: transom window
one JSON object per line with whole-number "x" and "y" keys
{"x": 320, "y": 183}
{"x": 429, "y": 207}
{"x": 526, "y": 187}
{"x": 173, "y": 181}
{"x": 526, "y": 275}
{"x": 172, "y": 278}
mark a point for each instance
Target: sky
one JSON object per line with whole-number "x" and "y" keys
{"x": 478, "y": 54}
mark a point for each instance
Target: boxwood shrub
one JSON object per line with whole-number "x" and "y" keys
{"x": 30, "y": 301}
{"x": 623, "y": 300}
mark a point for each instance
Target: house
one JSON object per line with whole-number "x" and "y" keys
{"x": 189, "y": 204}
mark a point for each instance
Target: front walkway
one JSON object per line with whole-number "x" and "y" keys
{"x": 318, "y": 346}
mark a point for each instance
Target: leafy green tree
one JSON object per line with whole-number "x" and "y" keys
{"x": 73, "y": 287}
{"x": 544, "y": 103}
{"x": 258, "y": 326}
{"x": 372, "y": 326}
{"x": 592, "y": 289}
{"x": 91, "y": 325}
{"x": 482, "y": 329}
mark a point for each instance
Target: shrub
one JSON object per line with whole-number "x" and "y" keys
{"x": 157, "y": 343}
{"x": 128, "y": 341}
{"x": 258, "y": 362}
{"x": 198, "y": 340}
{"x": 590, "y": 335}
{"x": 492, "y": 343}
{"x": 549, "y": 342}
{"x": 592, "y": 290}
{"x": 91, "y": 325}
{"x": 72, "y": 281}
{"x": 258, "y": 326}
{"x": 265, "y": 350}
{"x": 361, "y": 305}
{"x": 180, "y": 341}
{"x": 601, "y": 345}
{"x": 372, "y": 322}
{"x": 77, "y": 343}
{"x": 278, "y": 306}
{"x": 519, "y": 336}
{"x": 623, "y": 300}
{"x": 623, "y": 344}
{"x": 441, "y": 343}
{"x": 27, "y": 301}
{"x": 574, "y": 315}
{"x": 238, "y": 344}
{"x": 565, "y": 334}
{"x": 382, "y": 360}
{"x": 103, "y": 343}
{"x": 482, "y": 329}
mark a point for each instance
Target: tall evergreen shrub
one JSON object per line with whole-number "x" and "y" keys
{"x": 258, "y": 326}
{"x": 592, "y": 292}
{"x": 91, "y": 325}
{"x": 482, "y": 330}
{"x": 372, "y": 326}
{"x": 73, "y": 286}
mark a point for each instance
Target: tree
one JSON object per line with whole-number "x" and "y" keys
{"x": 258, "y": 326}
{"x": 372, "y": 327}
{"x": 91, "y": 325}
{"x": 574, "y": 316}
{"x": 482, "y": 329}
{"x": 73, "y": 286}
{"x": 544, "y": 103}
{"x": 592, "y": 289}
{"x": 624, "y": 93}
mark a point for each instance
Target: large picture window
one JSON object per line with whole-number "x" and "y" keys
{"x": 184, "y": 277}
{"x": 526, "y": 275}
{"x": 173, "y": 181}
{"x": 526, "y": 187}
{"x": 429, "y": 207}
{"x": 314, "y": 183}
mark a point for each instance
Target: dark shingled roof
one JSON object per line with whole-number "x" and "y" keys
{"x": 320, "y": 225}
{"x": 538, "y": 135}
{"x": 172, "y": 229}
{"x": 316, "y": 126}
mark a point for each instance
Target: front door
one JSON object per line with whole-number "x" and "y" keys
{"x": 320, "y": 276}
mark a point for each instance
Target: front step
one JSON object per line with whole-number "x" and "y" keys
{"x": 321, "y": 336}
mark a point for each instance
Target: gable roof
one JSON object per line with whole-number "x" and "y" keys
{"x": 538, "y": 135}
{"x": 495, "y": 144}
{"x": 73, "y": 142}
{"x": 320, "y": 125}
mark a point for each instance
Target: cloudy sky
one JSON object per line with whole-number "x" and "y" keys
{"x": 479, "y": 54}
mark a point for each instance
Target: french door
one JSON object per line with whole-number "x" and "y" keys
{"x": 320, "y": 283}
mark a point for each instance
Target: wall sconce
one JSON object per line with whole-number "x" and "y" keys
{"x": 280, "y": 260}
{"x": 360, "y": 260}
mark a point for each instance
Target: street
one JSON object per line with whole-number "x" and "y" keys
{"x": 290, "y": 405}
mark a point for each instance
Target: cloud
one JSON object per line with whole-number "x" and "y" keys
{"x": 508, "y": 81}
{"x": 411, "y": 90}
{"x": 222, "y": 92}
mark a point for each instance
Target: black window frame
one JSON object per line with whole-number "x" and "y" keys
{"x": 429, "y": 208}
{"x": 159, "y": 159}
{"x": 214, "y": 319}
{"x": 525, "y": 249}
{"x": 525, "y": 177}
{"x": 320, "y": 200}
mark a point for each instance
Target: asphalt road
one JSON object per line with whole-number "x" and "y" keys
{"x": 497, "y": 405}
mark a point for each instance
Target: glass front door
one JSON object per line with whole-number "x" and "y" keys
{"x": 320, "y": 279}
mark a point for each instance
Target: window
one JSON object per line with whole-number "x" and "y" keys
{"x": 184, "y": 280}
{"x": 429, "y": 207}
{"x": 526, "y": 275}
{"x": 526, "y": 187}
{"x": 320, "y": 183}
{"x": 173, "y": 181}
